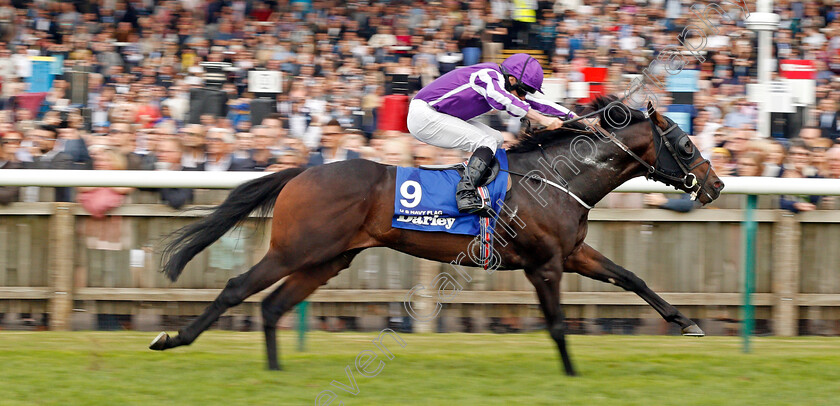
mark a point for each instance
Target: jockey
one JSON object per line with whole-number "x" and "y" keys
{"x": 444, "y": 114}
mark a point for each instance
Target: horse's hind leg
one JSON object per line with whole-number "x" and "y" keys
{"x": 259, "y": 277}
{"x": 592, "y": 264}
{"x": 294, "y": 289}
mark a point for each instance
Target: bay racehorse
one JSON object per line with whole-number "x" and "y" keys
{"x": 325, "y": 215}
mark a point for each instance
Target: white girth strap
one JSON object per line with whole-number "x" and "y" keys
{"x": 569, "y": 192}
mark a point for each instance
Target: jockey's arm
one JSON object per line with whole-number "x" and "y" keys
{"x": 491, "y": 85}
{"x": 547, "y": 113}
{"x": 550, "y": 123}
{"x": 549, "y": 107}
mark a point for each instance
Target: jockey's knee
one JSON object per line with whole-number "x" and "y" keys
{"x": 500, "y": 139}
{"x": 489, "y": 143}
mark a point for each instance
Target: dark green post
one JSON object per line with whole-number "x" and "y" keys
{"x": 749, "y": 228}
{"x": 301, "y": 325}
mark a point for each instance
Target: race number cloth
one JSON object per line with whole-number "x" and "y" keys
{"x": 425, "y": 200}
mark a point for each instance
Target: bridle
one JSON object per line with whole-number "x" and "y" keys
{"x": 682, "y": 152}
{"x": 673, "y": 169}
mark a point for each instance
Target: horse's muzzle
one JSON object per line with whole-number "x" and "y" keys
{"x": 717, "y": 187}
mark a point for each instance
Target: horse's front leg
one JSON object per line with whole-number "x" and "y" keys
{"x": 546, "y": 280}
{"x": 588, "y": 262}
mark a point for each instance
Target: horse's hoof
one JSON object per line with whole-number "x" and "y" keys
{"x": 693, "y": 331}
{"x": 159, "y": 343}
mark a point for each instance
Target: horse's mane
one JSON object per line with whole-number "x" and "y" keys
{"x": 534, "y": 141}
{"x": 615, "y": 115}
{"x": 542, "y": 139}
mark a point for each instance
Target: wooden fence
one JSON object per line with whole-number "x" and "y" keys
{"x": 54, "y": 258}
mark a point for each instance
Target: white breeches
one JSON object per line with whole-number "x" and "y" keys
{"x": 445, "y": 131}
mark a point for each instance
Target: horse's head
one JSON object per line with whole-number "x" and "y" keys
{"x": 672, "y": 157}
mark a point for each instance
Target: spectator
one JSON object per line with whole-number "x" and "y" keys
{"x": 829, "y": 119}
{"x": 193, "y": 154}
{"x": 450, "y": 156}
{"x": 146, "y": 57}
{"x": 495, "y": 32}
{"x": 9, "y": 144}
{"x": 99, "y": 200}
{"x": 705, "y": 128}
{"x": 833, "y": 172}
{"x": 682, "y": 205}
{"x": 738, "y": 141}
{"x": 524, "y": 16}
{"x": 833, "y": 157}
{"x": 146, "y": 114}
{"x": 396, "y": 151}
{"x": 425, "y": 154}
{"x": 288, "y": 158}
{"x": 23, "y": 65}
{"x": 749, "y": 164}
{"x": 242, "y": 148}
{"x": 547, "y": 34}
{"x": 121, "y": 137}
{"x": 7, "y": 66}
{"x": 809, "y": 135}
{"x": 170, "y": 154}
{"x": 101, "y": 231}
{"x": 774, "y": 163}
{"x": 70, "y": 142}
{"x": 299, "y": 120}
{"x": 450, "y": 58}
{"x": 819, "y": 159}
{"x": 329, "y": 151}
{"x": 220, "y": 146}
{"x": 261, "y": 154}
{"x": 46, "y": 154}
{"x": 352, "y": 141}
{"x": 721, "y": 161}
{"x": 800, "y": 159}
{"x": 382, "y": 40}
{"x": 470, "y": 45}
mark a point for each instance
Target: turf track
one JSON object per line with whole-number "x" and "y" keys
{"x": 115, "y": 368}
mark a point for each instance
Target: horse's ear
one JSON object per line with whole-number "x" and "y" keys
{"x": 656, "y": 117}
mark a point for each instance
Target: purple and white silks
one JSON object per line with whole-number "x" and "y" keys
{"x": 471, "y": 91}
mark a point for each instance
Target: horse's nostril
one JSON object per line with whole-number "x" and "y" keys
{"x": 718, "y": 185}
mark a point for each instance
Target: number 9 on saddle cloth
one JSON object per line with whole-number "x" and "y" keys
{"x": 425, "y": 201}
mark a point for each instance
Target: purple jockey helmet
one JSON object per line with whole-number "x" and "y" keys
{"x": 533, "y": 72}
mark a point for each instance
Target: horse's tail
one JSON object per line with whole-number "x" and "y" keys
{"x": 188, "y": 241}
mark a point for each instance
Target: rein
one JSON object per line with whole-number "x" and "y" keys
{"x": 688, "y": 179}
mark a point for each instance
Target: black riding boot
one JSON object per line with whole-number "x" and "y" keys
{"x": 479, "y": 164}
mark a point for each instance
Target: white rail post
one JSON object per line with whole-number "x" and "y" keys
{"x": 61, "y": 266}
{"x": 787, "y": 235}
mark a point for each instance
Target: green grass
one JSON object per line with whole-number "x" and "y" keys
{"x": 107, "y": 368}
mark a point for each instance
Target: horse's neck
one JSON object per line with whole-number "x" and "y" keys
{"x": 609, "y": 168}
{"x": 595, "y": 167}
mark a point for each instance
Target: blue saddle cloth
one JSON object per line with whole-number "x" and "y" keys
{"x": 425, "y": 200}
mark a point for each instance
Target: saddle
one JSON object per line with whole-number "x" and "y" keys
{"x": 424, "y": 201}
{"x": 486, "y": 180}
{"x": 485, "y": 225}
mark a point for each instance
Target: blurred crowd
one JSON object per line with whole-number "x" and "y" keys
{"x": 339, "y": 61}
